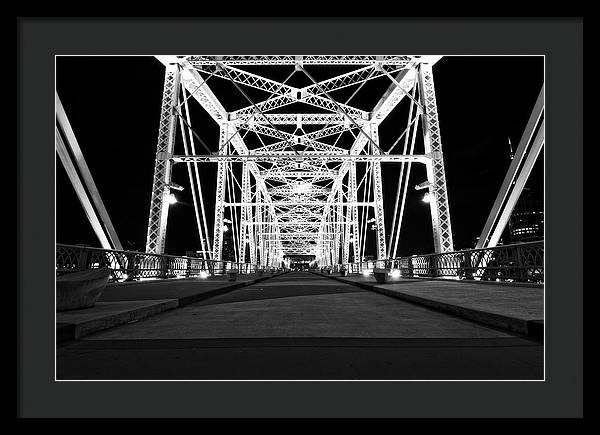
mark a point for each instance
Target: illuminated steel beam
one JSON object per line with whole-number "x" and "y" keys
{"x": 384, "y": 158}
{"x": 308, "y": 204}
{"x": 436, "y": 176}
{"x": 159, "y": 204}
{"x": 304, "y": 60}
{"x": 297, "y": 119}
{"x": 530, "y": 145}
{"x": 93, "y": 205}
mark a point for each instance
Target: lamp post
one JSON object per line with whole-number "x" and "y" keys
{"x": 424, "y": 185}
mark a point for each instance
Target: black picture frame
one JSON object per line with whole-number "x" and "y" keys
{"x": 560, "y": 40}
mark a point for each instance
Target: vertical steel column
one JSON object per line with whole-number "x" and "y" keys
{"x": 269, "y": 240}
{"x": 338, "y": 226}
{"x": 220, "y": 195}
{"x": 260, "y": 229}
{"x": 378, "y": 196}
{"x": 245, "y": 198}
{"x": 354, "y": 207}
{"x": 347, "y": 220}
{"x": 251, "y": 228}
{"x": 440, "y": 211}
{"x": 159, "y": 206}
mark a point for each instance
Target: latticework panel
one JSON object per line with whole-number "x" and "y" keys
{"x": 442, "y": 228}
{"x": 159, "y": 206}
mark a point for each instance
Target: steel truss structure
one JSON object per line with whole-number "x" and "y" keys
{"x": 299, "y": 170}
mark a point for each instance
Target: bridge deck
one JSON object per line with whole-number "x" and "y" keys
{"x": 301, "y": 326}
{"x": 518, "y": 307}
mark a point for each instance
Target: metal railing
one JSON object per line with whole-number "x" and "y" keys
{"x": 522, "y": 262}
{"x": 132, "y": 265}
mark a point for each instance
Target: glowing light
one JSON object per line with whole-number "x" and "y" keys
{"x": 367, "y": 272}
{"x": 395, "y": 273}
{"x": 171, "y": 198}
{"x": 203, "y": 274}
{"x": 225, "y": 228}
{"x": 426, "y": 198}
{"x": 300, "y": 187}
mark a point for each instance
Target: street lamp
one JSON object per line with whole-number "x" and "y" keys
{"x": 175, "y": 186}
{"x": 424, "y": 185}
{"x": 171, "y": 198}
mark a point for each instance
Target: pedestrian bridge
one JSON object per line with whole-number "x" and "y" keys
{"x": 299, "y": 170}
{"x": 299, "y": 175}
{"x": 305, "y": 325}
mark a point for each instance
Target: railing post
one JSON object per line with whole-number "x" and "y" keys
{"x": 164, "y": 267}
{"x": 467, "y": 266}
{"x": 83, "y": 260}
{"x": 521, "y": 274}
{"x": 188, "y": 267}
{"x": 131, "y": 266}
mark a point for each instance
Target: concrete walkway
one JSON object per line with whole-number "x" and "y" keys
{"x": 129, "y": 302}
{"x": 301, "y": 326}
{"x": 513, "y": 307}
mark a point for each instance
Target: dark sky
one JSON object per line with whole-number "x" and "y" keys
{"x": 113, "y": 104}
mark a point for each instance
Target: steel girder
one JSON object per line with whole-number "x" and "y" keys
{"x": 304, "y": 60}
{"x": 378, "y": 192}
{"x": 81, "y": 179}
{"x": 285, "y": 100}
{"x": 297, "y": 119}
{"x": 305, "y": 157}
{"x": 436, "y": 176}
{"x": 530, "y": 145}
{"x": 159, "y": 204}
{"x": 220, "y": 198}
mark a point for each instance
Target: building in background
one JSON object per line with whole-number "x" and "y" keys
{"x": 228, "y": 253}
{"x": 526, "y": 223}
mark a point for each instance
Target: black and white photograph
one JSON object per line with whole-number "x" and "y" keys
{"x": 299, "y": 217}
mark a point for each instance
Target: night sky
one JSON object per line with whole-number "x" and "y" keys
{"x": 113, "y": 104}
